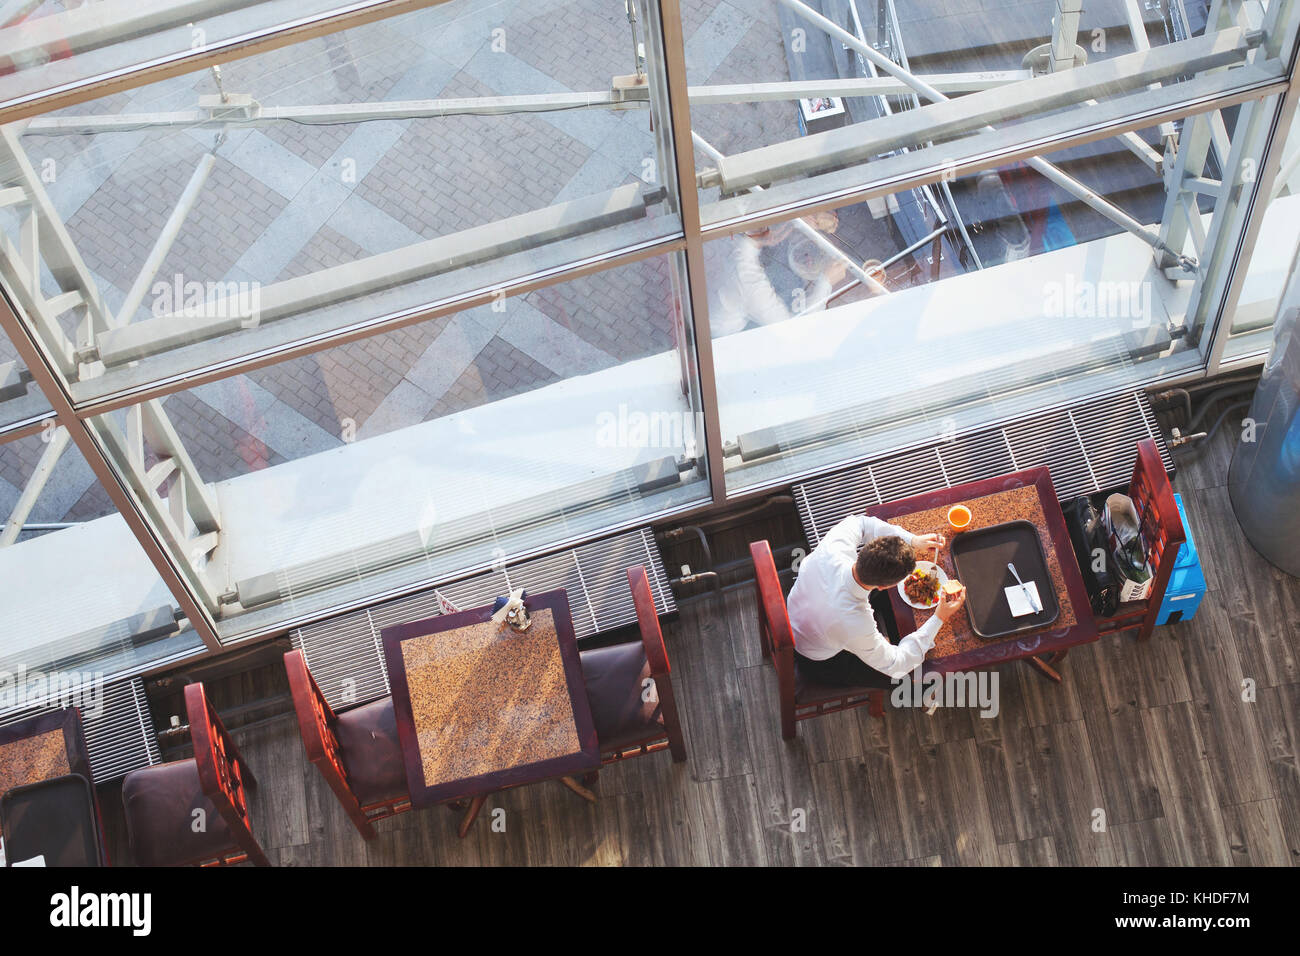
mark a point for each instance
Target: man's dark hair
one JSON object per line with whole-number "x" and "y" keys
{"x": 884, "y": 562}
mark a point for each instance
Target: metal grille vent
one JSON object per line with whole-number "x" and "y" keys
{"x": 346, "y": 657}
{"x": 119, "y": 738}
{"x": 1089, "y": 446}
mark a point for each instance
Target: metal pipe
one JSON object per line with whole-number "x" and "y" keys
{"x": 890, "y": 261}
{"x": 815, "y": 235}
{"x": 163, "y": 244}
{"x": 35, "y": 485}
{"x": 1215, "y": 397}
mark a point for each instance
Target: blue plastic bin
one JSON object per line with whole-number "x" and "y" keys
{"x": 1187, "y": 582}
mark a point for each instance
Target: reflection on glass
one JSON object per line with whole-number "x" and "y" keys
{"x": 80, "y": 595}
{"x": 787, "y": 94}
{"x": 46, "y": 45}
{"x": 948, "y": 309}
{"x": 415, "y": 455}
{"x": 1272, "y": 258}
{"x": 335, "y": 181}
{"x": 20, "y": 400}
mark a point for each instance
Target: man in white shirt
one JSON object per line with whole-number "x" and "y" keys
{"x": 741, "y": 291}
{"x": 837, "y": 636}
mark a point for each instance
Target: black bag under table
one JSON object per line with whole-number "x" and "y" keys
{"x": 981, "y": 559}
{"x": 54, "y": 818}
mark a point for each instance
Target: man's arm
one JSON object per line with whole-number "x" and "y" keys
{"x": 856, "y": 530}
{"x": 898, "y": 660}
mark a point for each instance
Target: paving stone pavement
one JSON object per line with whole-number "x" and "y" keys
{"x": 417, "y": 178}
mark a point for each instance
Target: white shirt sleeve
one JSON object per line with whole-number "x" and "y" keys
{"x": 856, "y": 530}
{"x": 898, "y": 660}
{"x": 762, "y": 303}
{"x": 894, "y": 660}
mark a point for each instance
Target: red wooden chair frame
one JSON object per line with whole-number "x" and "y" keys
{"x": 652, "y": 639}
{"x": 316, "y": 721}
{"x": 1163, "y": 533}
{"x": 777, "y": 642}
{"x": 224, "y": 776}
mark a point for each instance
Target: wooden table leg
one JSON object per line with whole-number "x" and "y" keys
{"x": 579, "y": 789}
{"x": 1045, "y": 669}
{"x": 475, "y": 805}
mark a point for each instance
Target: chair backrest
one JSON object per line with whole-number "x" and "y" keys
{"x": 315, "y": 716}
{"x": 1153, "y": 497}
{"x": 223, "y": 773}
{"x": 773, "y": 618}
{"x": 647, "y": 617}
{"x": 652, "y": 640}
{"x": 1162, "y": 526}
{"x": 316, "y": 721}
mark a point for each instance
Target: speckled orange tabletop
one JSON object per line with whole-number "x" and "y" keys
{"x": 485, "y": 698}
{"x": 1015, "y": 504}
{"x": 33, "y": 759}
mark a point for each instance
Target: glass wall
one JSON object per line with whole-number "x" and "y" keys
{"x": 395, "y": 298}
{"x": 419, "y": 454}
{"x": 799, "y": 102}
{"x": 81, "y": 598}
{"x": 339, "y": 181}
{"x": 921, "y": 314}
{"x": 1273, "y": 256}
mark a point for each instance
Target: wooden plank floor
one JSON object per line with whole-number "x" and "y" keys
{"x": 1156, "y": 737}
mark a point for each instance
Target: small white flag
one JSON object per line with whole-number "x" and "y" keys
{"x": 444, "y": 605}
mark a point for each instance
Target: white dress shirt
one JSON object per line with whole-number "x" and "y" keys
{"x": 829, "y": 610}
{"x": 741, "y": 291}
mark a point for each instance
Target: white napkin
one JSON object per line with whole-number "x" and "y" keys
{"x": 1019, "y": 601}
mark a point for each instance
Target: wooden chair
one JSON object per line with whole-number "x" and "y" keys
{"x": 799, "y": 699}
{"x": 630, "y": 688}
{"x": 358, "y": 753}
{"x": 1162, "y": 530}
{"x": 164, "y": 803}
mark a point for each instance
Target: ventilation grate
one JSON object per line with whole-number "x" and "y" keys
{"x": 120, "y": 738}
{"x": 345, "y": 654}
{"x": 1089, "y": 447}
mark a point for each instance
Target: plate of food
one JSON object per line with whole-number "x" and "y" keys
{"x": 920, "y": 589}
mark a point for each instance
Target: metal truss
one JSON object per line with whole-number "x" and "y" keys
{"x": 141, "y": 461}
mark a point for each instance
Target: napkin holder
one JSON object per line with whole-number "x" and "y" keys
{"x": 512, "y": 611}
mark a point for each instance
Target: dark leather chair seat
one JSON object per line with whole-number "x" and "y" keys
{"x": 810, "y": 691}
{"x": 371, "y": 752}
{"x": 615, "y": 677}
{"x": 160, "y": 802}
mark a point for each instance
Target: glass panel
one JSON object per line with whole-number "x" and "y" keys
{"x": 1015, "y": 295}
{"x": 336, "y": 181}
{"x": 783, "y": 97}
{"x": 20, "y": 399}
{"x": 80, "y": 595}
{"x": 1272, "y": 258}
{"x": 450, "y": 445}
{"x": 57, "y": 43}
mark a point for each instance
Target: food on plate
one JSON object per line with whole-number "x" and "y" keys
{"x": 922, "y": 586}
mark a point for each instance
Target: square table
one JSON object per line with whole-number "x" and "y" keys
{"x": 481, "y": 707}
{"x": 44, "y": 747}
{"x": 1027, "y": 495}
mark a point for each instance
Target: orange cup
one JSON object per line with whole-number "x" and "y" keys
{"x": 959, "y": 517}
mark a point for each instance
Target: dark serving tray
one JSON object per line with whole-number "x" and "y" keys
{"x": 54, "y": 818}
{"x": 981, "y": 558}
